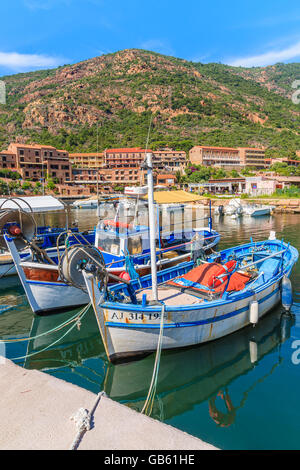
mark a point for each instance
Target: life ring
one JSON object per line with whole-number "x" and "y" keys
{"x": 214, "y": 280}
{"x": 116, "y": 224}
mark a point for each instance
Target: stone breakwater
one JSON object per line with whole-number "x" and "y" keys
{"x": 289, "y": 206}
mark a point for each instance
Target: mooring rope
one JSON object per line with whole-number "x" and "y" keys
{"x": 148, "y": 406}
{"x": 83, "y": 421}
{"x": 75, "y": 318}
{"x": 52, "y": 344}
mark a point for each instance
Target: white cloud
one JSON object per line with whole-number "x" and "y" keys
{"x": 268, "y": 58}
{"x": 21, "y": 62}
{"x": 157, "y": 45}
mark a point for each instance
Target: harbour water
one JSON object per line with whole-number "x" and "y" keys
{"x": 240, "y": 392}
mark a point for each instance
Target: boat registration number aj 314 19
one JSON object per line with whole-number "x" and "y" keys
{"x": 133, "y": 316}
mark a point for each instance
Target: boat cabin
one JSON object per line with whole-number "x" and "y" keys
{"x": 117, "y": 239}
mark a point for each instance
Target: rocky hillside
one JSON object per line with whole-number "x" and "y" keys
{"x": 115, "y": 95}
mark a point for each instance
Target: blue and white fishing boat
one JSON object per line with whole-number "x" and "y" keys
{"x": 187, "y": 305}
{"x": 123, "y": 247}
{"x": 194, "y": 305}
{"x": 45, "y": 237}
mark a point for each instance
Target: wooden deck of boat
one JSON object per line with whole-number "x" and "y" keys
{"x": 170, "y": 296}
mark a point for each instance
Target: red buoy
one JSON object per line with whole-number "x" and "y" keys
{"x": 124, "y": 275}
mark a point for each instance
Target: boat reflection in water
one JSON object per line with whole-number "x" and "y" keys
{"x": 186, "y": 377}
{"x": 51, "y": 351}
{"x": 189, "y": 377}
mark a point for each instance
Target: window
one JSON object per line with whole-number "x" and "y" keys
{"x": 22, "y": 159}
{"x": 135, "y": 245}
{"x": 37, "y": 153}
{"x": 21, "y": 152}
{"x": 37, "y": 160}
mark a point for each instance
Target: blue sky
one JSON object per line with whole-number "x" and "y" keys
{"x": 39, "y": 34}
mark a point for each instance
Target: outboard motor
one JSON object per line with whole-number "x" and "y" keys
{"x": 239, "y": 211}
{"x": 220, "y": 210}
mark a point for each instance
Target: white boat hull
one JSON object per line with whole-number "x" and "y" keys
{"x": 130, "y": 332}
{"x": 257, "y": 212}
{"x": 44, "y": 297}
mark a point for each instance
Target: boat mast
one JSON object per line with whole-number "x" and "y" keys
{"x": 152, "y": 217}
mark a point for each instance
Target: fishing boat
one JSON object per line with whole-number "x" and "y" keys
{"x": 187, "y": 305}
{"x": 45, "y": 237}
{"x": 124, "y": 248}
{"x": 48, "y": 289}
{"x": 194, "y": 305}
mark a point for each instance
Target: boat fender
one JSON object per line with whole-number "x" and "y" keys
{"x": 286, "y": 293}
{"x": 253, "y": 310}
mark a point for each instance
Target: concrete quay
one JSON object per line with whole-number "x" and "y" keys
{"x": 36, "y": 411}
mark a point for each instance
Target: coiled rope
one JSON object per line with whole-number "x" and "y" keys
{"x": 83, "y": 421}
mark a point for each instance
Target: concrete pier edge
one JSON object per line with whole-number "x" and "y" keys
{"x": 36, "y": 410}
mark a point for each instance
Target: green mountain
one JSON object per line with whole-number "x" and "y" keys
{"x": 115, "y": 97}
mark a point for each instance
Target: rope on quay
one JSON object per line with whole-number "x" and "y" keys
{"x": 148, "y": 405}
{"x": 54, "y": 342}
{"x": 75, "y": 318}
{"x": 83, "y": 420}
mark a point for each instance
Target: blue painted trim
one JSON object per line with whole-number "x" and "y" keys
{"x": 187, "y": 324}
{"x": 48, "y": 283}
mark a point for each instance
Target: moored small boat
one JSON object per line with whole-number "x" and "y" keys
{"x": 239, "y": 287}
{"x": 237, "y": 208}
{"x": 125, "y": 249}
{"x": 47, "y": 290}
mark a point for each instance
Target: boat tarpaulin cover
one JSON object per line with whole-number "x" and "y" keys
{"x": 37, "y": 203}
{"x": 175, "y": 197}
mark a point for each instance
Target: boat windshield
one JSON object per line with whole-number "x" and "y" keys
{"x": 135, "y": 245}
{"x": 109, "y": 243}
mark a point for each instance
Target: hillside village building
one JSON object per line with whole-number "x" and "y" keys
{"x": 227, "y": 157}
{"x": 36, "y": 162}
